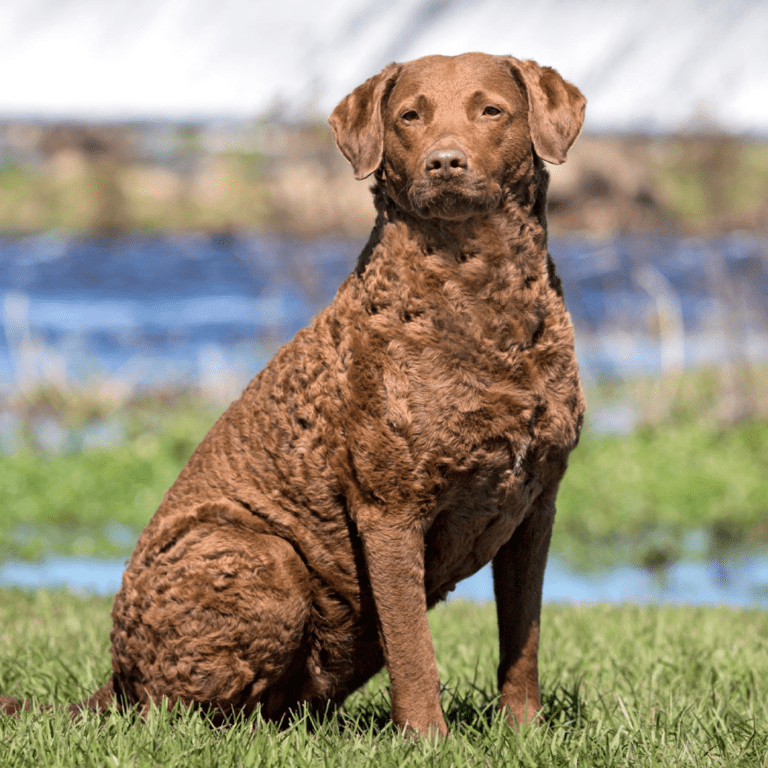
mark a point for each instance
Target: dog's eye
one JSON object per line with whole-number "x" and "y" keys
{"x": 410, "y": 115}
{"x": 491, "y": 111}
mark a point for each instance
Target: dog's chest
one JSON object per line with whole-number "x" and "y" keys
{"x": 460, "y": 356}
{"x": 477, "y": 510}
{"x": 471, "y": 376}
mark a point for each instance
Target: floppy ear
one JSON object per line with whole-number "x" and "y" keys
{"x": 357, "y": 122}
{"x": 555, "y": 109}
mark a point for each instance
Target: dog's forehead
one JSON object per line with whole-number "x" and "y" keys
{"x": 450, "y": 77}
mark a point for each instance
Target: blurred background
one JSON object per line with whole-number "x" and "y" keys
{"x": 173, "y": 209}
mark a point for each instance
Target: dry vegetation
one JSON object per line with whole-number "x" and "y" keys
{"x": 269, "y": 177}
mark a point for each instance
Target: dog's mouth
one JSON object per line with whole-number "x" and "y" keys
{"x": 455, "y": 198}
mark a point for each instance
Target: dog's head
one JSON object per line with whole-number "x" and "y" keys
{"x": 446, "y": 133}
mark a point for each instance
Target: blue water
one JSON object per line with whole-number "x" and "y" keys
{"x": 740, "y": 582}
{"x": 152, "y": 307}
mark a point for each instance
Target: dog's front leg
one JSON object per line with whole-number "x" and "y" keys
{"x": 518, "y": 577}
{"x": 394, "y": 558}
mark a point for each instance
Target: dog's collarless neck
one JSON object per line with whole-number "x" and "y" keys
{"x": 515, "y": 230}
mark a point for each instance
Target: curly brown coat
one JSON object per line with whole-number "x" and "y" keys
{"x": 417, "y": 430}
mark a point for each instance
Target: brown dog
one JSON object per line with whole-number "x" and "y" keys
{"x": 417, "y": 430}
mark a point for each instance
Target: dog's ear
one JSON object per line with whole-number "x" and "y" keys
{"x": 358, "y": 125}
{"x": 555, "y": 109}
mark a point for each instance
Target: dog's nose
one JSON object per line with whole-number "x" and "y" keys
{"x": 445, "y": 163}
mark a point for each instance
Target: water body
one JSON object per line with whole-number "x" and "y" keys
{"x": 164, "y": 309}
{"x": 738, "y": 582}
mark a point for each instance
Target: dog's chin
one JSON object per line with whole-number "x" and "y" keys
{"x": 452, "y": 200}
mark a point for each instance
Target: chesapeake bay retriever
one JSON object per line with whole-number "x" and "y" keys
{"x": 417, "y": 430}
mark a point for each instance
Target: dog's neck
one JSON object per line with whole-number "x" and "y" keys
{"x": 517, "y": 226}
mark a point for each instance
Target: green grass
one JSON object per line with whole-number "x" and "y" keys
{"x": 95, "y": 502}
{"x": 638, "y": 498}
{"x": 622, "y": 685}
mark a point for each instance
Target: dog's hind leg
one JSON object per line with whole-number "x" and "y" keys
{"x": 220, "y": 618}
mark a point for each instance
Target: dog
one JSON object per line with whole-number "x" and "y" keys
{"x": 415, "y": 431}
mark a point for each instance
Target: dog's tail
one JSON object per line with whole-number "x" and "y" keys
{"x": 98, "y": 702}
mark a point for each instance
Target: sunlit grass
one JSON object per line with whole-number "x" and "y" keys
{"x": 622, "y": 685}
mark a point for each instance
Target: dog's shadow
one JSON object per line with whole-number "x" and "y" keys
{"x": 467, "y": 707}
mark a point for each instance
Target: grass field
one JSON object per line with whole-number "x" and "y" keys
{"x": 622, "y": 686}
